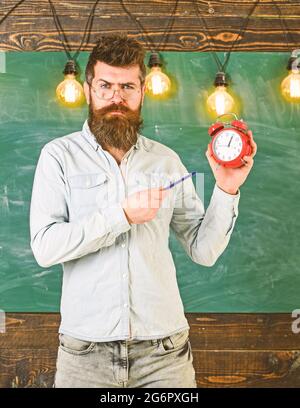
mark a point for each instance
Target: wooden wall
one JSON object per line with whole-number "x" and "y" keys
{"x": 230, "y": 350}
{"x": 30, "y": 26}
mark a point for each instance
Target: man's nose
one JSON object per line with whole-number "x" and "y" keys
{"x": 116, "y": 96}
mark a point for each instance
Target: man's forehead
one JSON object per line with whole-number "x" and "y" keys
{"x": 116, "y": 74}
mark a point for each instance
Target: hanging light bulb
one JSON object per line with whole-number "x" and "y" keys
{"x": 290, "y": 86}
{"x": 220, "y": 101}
{"x": 70, "y": 92}
{"x": 157, "y": 83}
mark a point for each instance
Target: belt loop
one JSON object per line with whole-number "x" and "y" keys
{"x": 168, "y": 342}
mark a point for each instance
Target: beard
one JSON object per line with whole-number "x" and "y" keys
{"x": 115, "y": 130}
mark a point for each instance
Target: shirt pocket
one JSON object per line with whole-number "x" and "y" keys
{"x": 88, "y": 191}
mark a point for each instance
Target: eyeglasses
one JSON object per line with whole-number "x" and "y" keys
{"x": 105, "y": 91}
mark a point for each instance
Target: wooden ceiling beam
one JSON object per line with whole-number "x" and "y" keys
{"x": 30, "y": 27}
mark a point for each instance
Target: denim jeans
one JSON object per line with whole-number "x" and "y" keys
{"x": 161, "y": 363}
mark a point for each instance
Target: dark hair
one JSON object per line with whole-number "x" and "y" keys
{"x": 117, "y": 50}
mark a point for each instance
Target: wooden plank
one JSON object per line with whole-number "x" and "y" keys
{"x": 24, "y": 368}
{"x": 31, "y": 330}
{"x": 229, "y": 350}
{"x": 243, "y": 331}
{"x": 209, "y": 331}
{"x": 30, "y": 26}
{"x": 247, "y": 368}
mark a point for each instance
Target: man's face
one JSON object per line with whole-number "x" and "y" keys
{"x": 115, "y": 122}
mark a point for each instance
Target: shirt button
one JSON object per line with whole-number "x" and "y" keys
{"x": 125, "y": 305}
{"x": 125, "y": 160}
{"x": 124, "y": 275}
{"x": 123, "y": 245}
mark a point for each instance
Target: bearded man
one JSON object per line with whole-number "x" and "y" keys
{"x": 98, "y": 209}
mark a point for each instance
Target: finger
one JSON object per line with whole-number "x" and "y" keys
{"x": 158, "y": 194}
{"x": 157, "y": 191}
{"x": 248, "y": 161}
{"x": 163, "y": 193}
{"x": 209, "y": 149}
{"x": 253, "y": 144}
{"x": 164, "y": 188}
{"x": 161, "y": 190}
{"x": 210, "y": 157}
{"x": 214, "y": 165}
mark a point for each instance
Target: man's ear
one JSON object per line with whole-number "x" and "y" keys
{"x": 86, "y": 89}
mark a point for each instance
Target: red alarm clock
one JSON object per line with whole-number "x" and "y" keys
{"x": 230, "y": 142}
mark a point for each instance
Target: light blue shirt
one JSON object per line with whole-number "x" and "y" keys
{"x": 119, "y": 279}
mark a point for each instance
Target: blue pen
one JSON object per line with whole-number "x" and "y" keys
{"x": 180, "y": 180}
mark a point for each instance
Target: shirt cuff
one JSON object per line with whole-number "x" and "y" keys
{"x": 116, "y": 218}
{"x": 227, "y": 205}
{"x": 222, "y": 193}
{"x": 221, "y": 197}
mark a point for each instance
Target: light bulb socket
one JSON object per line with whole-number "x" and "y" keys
{"x": 70, "y": 68}
{"x": 291, "y": 60}
{"x": 154, "y": 60}
{"x": 220, "y": 79}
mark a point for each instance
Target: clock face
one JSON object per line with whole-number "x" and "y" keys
{"x": 227, "y": 145}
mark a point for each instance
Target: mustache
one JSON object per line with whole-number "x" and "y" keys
{"x": 113, "y": 108}
{"x": 119, "y": 131}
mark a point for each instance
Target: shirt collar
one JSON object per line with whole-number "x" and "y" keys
{"x": 89, "y": 136}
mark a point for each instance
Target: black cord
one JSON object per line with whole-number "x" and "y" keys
{"x": 86, "y": 34}
{"x": 241, "y": 33}
{"x": 60, "y": 31}
{"x": 284, "y": 26}
{"x": 168, "y": 29}
{"x": 215, "y": 56}
{"x": 222, "y": 67}
{"x": 88, "y": 29}
{"x": 11, "y": 10}
{"x": 148, "y": 40}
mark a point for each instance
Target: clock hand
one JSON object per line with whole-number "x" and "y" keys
{"x": 230, "y": 141}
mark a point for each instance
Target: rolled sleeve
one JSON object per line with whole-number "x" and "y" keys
{"x": 54, "y": 239}
{"x": 116, "y": 219}
{"x": 226, "y": 206}
{"x": 204, "y": 234}
{"x": 226, "y": 198}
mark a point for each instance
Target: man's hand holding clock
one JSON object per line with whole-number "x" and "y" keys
{"x": 227, "y": 178}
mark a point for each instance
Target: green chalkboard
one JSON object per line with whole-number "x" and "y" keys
{"x": 259, "y": 271}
